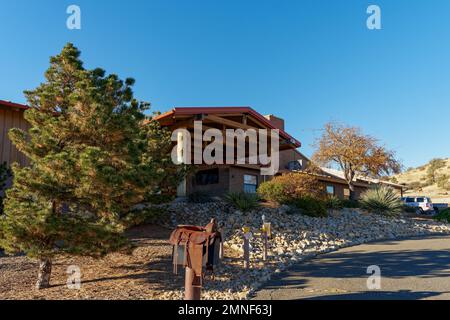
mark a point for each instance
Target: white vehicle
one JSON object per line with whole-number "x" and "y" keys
{"x": 422, "y": 204}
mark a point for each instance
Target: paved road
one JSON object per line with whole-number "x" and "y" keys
{"x": 417, "y": 268}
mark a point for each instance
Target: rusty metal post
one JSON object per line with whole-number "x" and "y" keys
{"x": 191, "y": 292}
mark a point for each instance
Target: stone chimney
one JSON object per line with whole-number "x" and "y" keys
{"x": 275, "y": 121}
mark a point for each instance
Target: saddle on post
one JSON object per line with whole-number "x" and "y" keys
{"x": 196, "y": 247}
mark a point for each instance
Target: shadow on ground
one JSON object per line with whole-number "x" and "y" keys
{"x": 415, "y": 268}
{"x": 380, "y": 295}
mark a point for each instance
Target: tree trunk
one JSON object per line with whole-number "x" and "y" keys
{"x": 45, "y": 271}
{"x": 352, "y": 191}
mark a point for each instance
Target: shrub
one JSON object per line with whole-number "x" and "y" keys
{"x": 159, "y": 198}
{"x": 143, "y": 216}
{"x": 5, "y": 174}
{"x": 311, "y": 206}
{"x": 244, "y": 202}
{"x": 443, "y": 182}
{"x": 199, "y": 197}
{"x": 443, "y": 215}
{"x": 272, "y": 191}
{"x": 334, "y": 203}
{"x": 382, "y": 200}
{"x": 414, "y": 185}
{"x": 289, "y": 187}
{"x": 351, "y": 204}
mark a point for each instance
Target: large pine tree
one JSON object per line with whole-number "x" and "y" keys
{"x": 94, "y": 156}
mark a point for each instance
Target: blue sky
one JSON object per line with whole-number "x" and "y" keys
{"x": 309, "y": 62}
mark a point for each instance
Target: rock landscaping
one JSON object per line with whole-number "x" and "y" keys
{"x": 296, "y": 237}
{"x": 147, "y": 272}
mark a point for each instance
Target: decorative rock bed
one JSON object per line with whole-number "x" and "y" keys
{"x": 296, "y": 237}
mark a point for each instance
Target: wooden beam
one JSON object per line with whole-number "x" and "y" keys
{"x": 230, "y": 123}
{"x": 188, "y": 124}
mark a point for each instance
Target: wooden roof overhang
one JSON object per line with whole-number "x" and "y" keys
{"x": 223, "y": 118}
{"x": 11, "y": 106}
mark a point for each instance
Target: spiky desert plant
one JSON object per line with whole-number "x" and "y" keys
{"x": 244, "y": 202}
{"x": 382, "y": 200}
{"x": 334, "y": 203}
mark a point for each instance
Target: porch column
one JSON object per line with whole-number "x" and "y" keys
{"x": 183, "y": 156}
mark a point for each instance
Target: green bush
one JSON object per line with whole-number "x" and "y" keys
{"x": 244, "y": 202}
{"x": 143, "y": 216}
{"x": 272, "y": 191}
{"x": 5, "y": 174}
{"x": 199, "y": 197}
{"x": 312, "y": 207}
{"x": 334, "y": 203}
{"x": 382, "y": 200}
{"x": 287, "y": 188}
{"x": 351, "y": 204}
{"x": 159, "y": 198}
{"x": 443, "y": 215}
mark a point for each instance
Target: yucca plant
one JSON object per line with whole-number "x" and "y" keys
{"x": 244, "y": 202}
{"x": 334, "y": 203}
{"x": 382, "y": 200}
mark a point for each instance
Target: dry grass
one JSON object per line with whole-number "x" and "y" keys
{"x": 419, "y": 174}
{"x": 142, "y": 275}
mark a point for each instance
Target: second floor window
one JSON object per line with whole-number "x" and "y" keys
{"x": 250, "y": 183}
{"x": 206, "y": 177}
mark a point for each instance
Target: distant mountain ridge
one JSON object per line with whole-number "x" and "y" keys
{"x": 421, "y": 181}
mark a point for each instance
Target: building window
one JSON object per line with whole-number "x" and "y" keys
{"x": 295, "y": 165}
{"x": 206, "y": 177}
{"x": 250, "y": 183}
{"x": 346, "y": 193}
{"x": 330, "y": 190}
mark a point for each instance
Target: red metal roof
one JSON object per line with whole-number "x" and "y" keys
{"x": 225, "y": 110}
{"x": 13, "y": 105}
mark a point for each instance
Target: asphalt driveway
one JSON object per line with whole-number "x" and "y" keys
{"x": 417, "y": 268}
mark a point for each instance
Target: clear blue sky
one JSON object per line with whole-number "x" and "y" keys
{"x": 306, "y": 61}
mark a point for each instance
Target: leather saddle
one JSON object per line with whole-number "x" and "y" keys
{"x": 195, "y": 247}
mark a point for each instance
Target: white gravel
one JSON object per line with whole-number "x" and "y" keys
{"x": 295, "y": 238}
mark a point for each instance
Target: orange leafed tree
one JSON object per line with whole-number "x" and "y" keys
{"x": 354, "y": 153}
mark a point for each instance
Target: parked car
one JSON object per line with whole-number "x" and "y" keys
{"x": 422, "y": 204}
